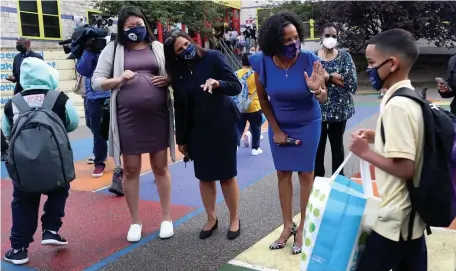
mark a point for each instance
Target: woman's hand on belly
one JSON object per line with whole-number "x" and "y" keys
{"x": 160, "y": 81}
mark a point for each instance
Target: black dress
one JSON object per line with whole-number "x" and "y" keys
{"x": 205, "y": 122}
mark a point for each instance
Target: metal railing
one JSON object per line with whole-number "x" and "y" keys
{"x": 233, "y": 60}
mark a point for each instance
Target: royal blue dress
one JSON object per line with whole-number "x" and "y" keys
{"x": 296, "y": 110}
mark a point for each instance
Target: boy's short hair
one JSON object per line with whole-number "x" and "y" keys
{"x": 397, "y": 42}
{"x": 245, "y": 59}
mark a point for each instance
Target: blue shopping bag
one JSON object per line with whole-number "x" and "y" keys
{"x": 333, "y": 231}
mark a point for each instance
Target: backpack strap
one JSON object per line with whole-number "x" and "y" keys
{"x": 20, "y": 103}
{"x": 50, "y": 99}
{"x": 403, "y": 92}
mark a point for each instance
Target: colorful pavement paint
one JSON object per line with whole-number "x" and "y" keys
{"x": 96, "y": 222}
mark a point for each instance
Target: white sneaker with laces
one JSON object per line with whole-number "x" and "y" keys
{"x": 247, "y": 138}
{"x": 134, "y": 234}
{"x": 166, "y": 230}
{"x": 257, "y": 152}
{"x": 261, "y": 137}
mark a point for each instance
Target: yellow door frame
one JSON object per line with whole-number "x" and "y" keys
{"x": 40, "y": 20}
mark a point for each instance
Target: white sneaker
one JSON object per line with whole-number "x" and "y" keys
{"x": 134, "y": 233}
{"x": 261, "y": 137}
{"x": 166, "y": 230}
{"x": 257, "y": 152}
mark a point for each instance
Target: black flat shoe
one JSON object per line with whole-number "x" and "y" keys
{"x": 234, "y": 234}
{"x": 206, "y": 234}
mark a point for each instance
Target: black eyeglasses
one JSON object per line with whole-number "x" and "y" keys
{"x": 174, "y": 33}
{"x": 330, "y": 36}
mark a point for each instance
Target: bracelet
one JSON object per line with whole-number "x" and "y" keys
{"x": 315, "y": 92}
{"x": 330, "y": 79}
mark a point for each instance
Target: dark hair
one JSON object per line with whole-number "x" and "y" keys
{"x": 174, "y": 64}
{"x": 328, "y": 25}
{"x": 270, "y": 37}
{"x": 245, "y": 59}
{"x": 397, "y": 41}
{"x": 126, "y": 12}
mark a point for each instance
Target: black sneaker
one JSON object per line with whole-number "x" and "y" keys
{"x": 52, "y": 239}
{"x": 17, "y": 257}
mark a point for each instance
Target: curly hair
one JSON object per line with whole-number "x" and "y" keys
{"x": 270, "y": 36}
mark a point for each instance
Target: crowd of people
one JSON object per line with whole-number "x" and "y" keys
{"x": 305, "y": 97}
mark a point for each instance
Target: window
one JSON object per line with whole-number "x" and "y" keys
{"x": 40, "y": 19}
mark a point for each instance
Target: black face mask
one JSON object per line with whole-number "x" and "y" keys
{"x": 21, "y": 48}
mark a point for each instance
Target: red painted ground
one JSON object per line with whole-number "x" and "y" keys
{"x": 95, "y": 226}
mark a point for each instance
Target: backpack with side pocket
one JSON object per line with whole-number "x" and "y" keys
{"x": 432, "y": 198}
{"x": 40, "y": 155}
{"x": 243, "y": 100}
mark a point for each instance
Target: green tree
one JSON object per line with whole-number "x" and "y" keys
{"x": 359, "y": 21}
{"x": 194, "y": 14}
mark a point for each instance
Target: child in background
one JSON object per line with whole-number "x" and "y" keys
{"x": 37, "y": 79}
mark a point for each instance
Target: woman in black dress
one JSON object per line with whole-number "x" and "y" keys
{"x": 206, "y": 120}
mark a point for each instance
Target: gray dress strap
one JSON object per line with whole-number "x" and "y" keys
{"x": 20, "y": 103}
{"x": 50, "y": 99}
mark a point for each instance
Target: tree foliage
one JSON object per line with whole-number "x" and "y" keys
{"x": 194, "y": 14}
{"x": 359, "y": 21}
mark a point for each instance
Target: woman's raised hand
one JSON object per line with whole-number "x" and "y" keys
{"x": 317, "y": 78}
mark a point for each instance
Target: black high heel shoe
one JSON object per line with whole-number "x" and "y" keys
{"x": 206, "y": 234}
{"x": 281, "y": 245}
{"x": 295, "y": 249}
{"x": 234, "y": 234}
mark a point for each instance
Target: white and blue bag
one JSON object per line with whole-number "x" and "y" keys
{"x": 339, "y": 216}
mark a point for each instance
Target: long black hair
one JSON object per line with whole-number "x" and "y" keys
{"x": 130, "y": 11}
{"x": 173, "y": 64}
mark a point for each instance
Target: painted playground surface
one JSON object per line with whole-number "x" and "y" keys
{"x": 96, "y": 221}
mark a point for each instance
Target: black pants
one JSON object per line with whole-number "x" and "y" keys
{"x": 93, "y": 114}
{"x": 382, "y": 254}
{"x": 25, "y": 207}
{"x": 4, "y": 143}
{"x": 254, "y": 120}
{"x": 335, "y": 132}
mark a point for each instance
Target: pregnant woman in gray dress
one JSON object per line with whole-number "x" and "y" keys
{"x": 141, "y": 111}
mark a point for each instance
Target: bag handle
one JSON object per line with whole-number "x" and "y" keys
{"x": 336, "y": 173}
{"x": 366, "y": 178}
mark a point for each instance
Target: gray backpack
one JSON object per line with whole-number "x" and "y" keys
{"x": 40, "y": 158}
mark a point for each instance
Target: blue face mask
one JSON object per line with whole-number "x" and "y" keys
{"x": 374, "y": 77}
{"x": 136, "y": 34}
{"x": 189, "y": 53}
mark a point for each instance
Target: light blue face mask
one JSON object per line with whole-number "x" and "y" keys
{"x": 37, "y": 74}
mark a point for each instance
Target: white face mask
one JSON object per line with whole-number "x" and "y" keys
{"x": 329, "y": 42}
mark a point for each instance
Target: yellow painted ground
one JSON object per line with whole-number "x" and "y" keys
{"x": 441, "y": 252}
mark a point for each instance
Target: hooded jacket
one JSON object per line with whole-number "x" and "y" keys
{"x": 37, "y": 78}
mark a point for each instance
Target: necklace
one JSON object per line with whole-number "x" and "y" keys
{"x": 286, "y": 69}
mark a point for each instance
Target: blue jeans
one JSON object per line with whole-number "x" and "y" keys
{"x": 25, "y": 208}
{"x": 93, "y": 119}
{"x": 254, "y": 120}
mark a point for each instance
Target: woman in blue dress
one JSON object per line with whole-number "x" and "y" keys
{"x": 294, "y": 80}
{"x": 206, "y": 122}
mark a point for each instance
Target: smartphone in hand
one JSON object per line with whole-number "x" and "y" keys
{"x": 443, "y": 85}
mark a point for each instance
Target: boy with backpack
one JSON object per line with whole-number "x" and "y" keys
{"x": 249, "y": 106}
{"x": 412, "y": 147}
{"x": 40, "y": 158}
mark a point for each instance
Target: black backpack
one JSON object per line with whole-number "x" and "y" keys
{"x": 432, "y": 198}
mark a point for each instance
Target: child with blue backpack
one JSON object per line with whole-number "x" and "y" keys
{"x": 249, "y": 106}
{"x": 53, "y": 116}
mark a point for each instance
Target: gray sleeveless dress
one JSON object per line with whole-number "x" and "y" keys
{"x": 142, "y": 112}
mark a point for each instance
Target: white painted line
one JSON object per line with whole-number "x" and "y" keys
{"x": 443, "y": 230}
{"x": 251, "y": 266}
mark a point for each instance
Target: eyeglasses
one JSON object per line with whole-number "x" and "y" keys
{"x": 174, "y": 33}
{"x": 330, "y": 36}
